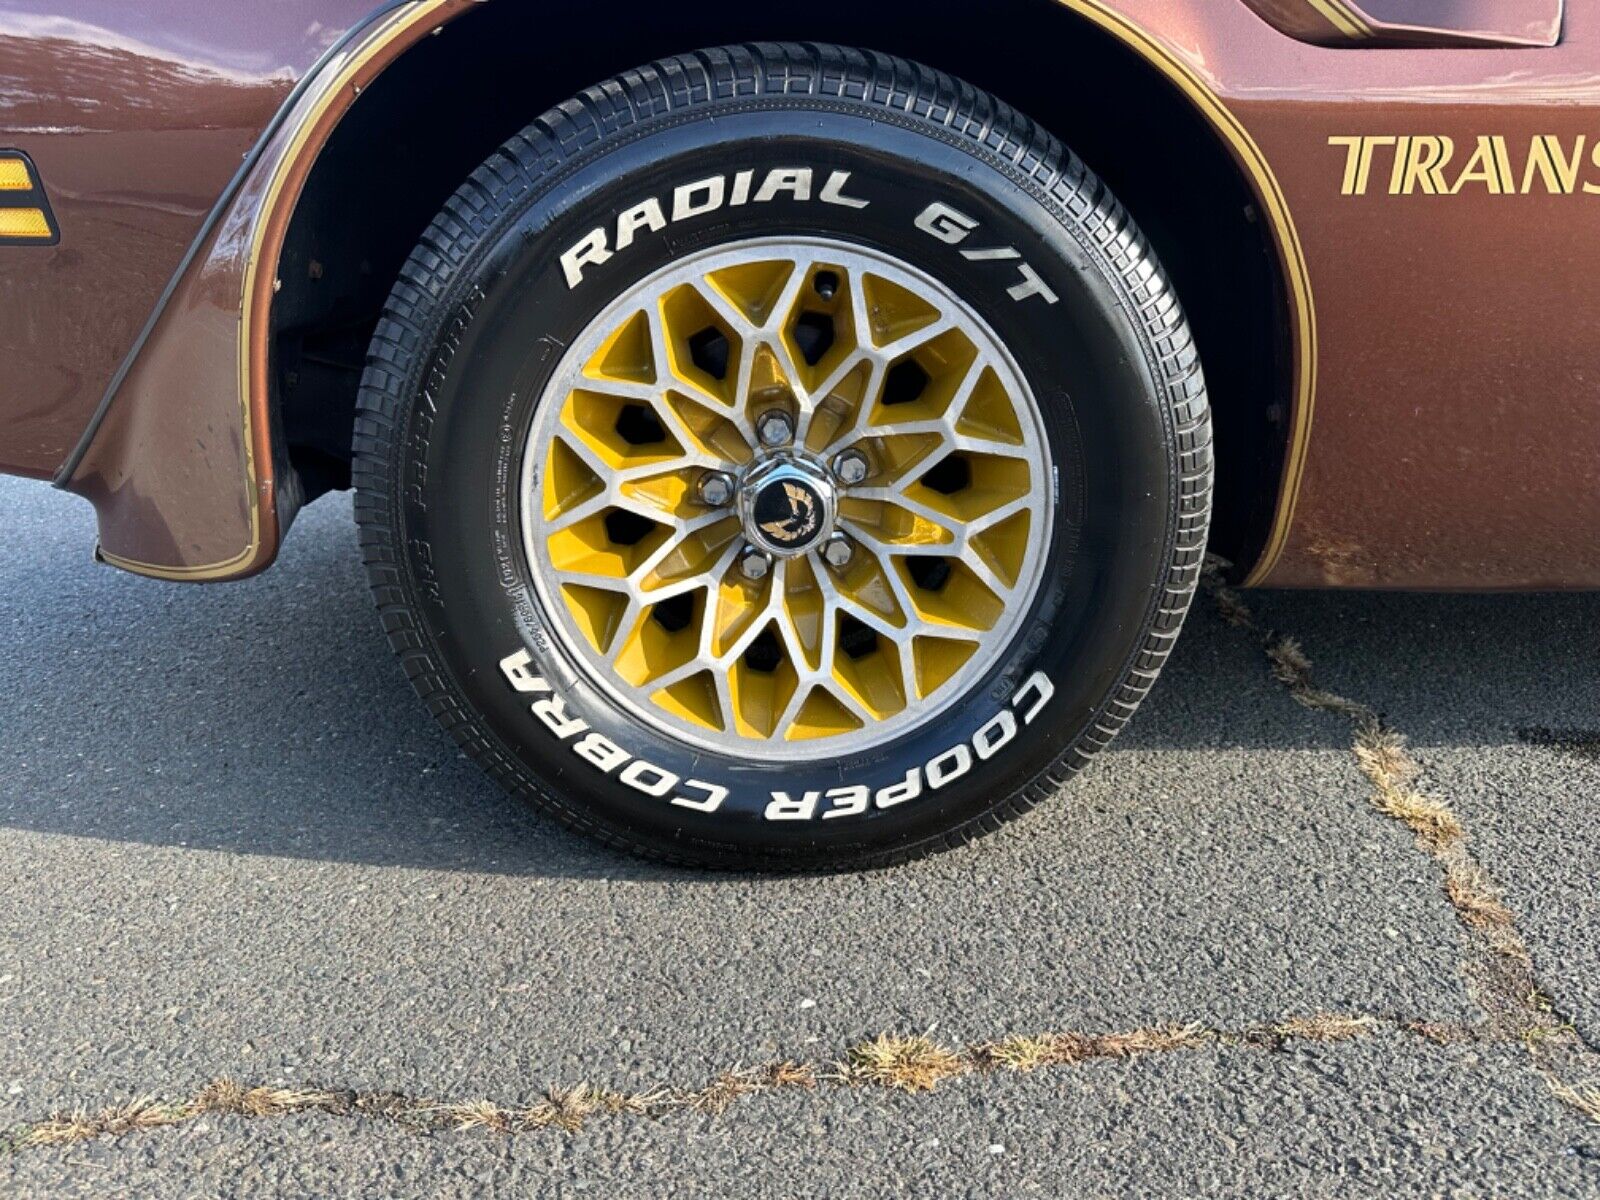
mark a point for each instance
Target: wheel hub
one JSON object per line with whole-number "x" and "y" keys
{"x": 787, "y": 505}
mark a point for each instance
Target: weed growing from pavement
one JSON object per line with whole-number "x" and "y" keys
{"x": 1584, "y": 1097}
{"x": 889, "y": 1062}
{"x": 1324, "y": 1027}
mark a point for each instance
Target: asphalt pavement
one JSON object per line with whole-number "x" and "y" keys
{"x": 232, "y": 844}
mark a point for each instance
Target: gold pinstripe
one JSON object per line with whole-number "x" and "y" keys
{"x": 1342, "y": 17}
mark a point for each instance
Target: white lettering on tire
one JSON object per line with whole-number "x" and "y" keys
{"x": 683, "y": 201}
{"x": 515, "y": 668}
{"x": 784, "y": 807}
{"x": 996, "y": 732}
{"x": 696, "y": 199}
{"x": 899, "y": 793}
{"x": 647, "y": 215}
{"x": 951, "y": 765}
{"x": 648, "y": 778}
{"x": 848, "y": 800}
{"x": 590, "y": 250}
{"x": 952, "y": 227}
{"x": 715, "y": 794}
{"x": 552, "y": 710}
{"x": 600, "y": 751}
{"x": 947, "y": 224}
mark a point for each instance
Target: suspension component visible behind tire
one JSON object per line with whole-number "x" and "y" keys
{"x": 783, "y": 456}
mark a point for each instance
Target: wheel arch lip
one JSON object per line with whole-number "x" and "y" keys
{"x": 203, "y": 356}
{"x": 201, "y": 361}
{"x": 1292, "y": 270}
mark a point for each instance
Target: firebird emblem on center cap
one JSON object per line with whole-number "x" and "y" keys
{"x": 801, "y": 519}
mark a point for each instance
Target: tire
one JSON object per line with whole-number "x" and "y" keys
{"x": 812, "y": 154}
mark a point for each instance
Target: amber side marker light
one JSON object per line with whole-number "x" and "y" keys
{"x": 25, "y": 216}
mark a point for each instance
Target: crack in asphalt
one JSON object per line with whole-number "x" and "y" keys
{"x": 914, "y": 1064}
{"x": 1498, "y": 967}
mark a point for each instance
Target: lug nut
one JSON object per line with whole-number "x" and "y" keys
{"x": 837, "y": 550}
{"x": 716, "y": 488}
{"x": 851, "y": 466}
{"x": 774, "y": 427}
{"x": 754, "y": 563}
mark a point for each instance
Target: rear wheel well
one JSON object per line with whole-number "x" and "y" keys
{"x": 404, "y": 148}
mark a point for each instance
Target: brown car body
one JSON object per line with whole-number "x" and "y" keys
{"x": 1426, "y": 173}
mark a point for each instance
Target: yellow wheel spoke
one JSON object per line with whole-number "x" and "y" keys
{"x": 937, "y": 660}
{"x": 598, "y": 611}
{"x": 837, "y": 405}
{"x": 874, "y": 676}
{"x": 656, "y": 646}
{"x": 894, "y": 312}
{"x": 628, "y": 355}
{"x": 892, "y": 523}
{"x": 690, "y": 558}
{"x": 762, "y": 688}
{"x": 948, "y": 594}
{"x": 989, "y": 413}
{"x": 694, "y": 698}
{"x": 721, "y": 436}
{"x": 740, "y": 604}
{"x": 703, "y": 346}
{"x": 753, "y": 290}
{"x": 806, "y": 611}
{"x": 818, "y": 335}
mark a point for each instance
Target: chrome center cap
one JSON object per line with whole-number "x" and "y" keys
{"x": 787, "y": 505}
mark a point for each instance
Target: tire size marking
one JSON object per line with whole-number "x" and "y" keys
{"x": 848, "y": 800}
{"x": 696, "y": 199}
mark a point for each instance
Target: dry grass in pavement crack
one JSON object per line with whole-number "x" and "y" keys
{"x": 150, "y": 1112}
{"x": 1584, "y": 1097}
{"x": 1024, "y": 1053}
{"x": 1499, "y": 967}
{"x": 731, "y": 1086}
{"x": 892, "y": 1062}
{"x": 906, "y": 1064}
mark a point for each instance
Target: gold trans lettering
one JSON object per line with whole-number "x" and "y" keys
{"x": 1419, "y": 164}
